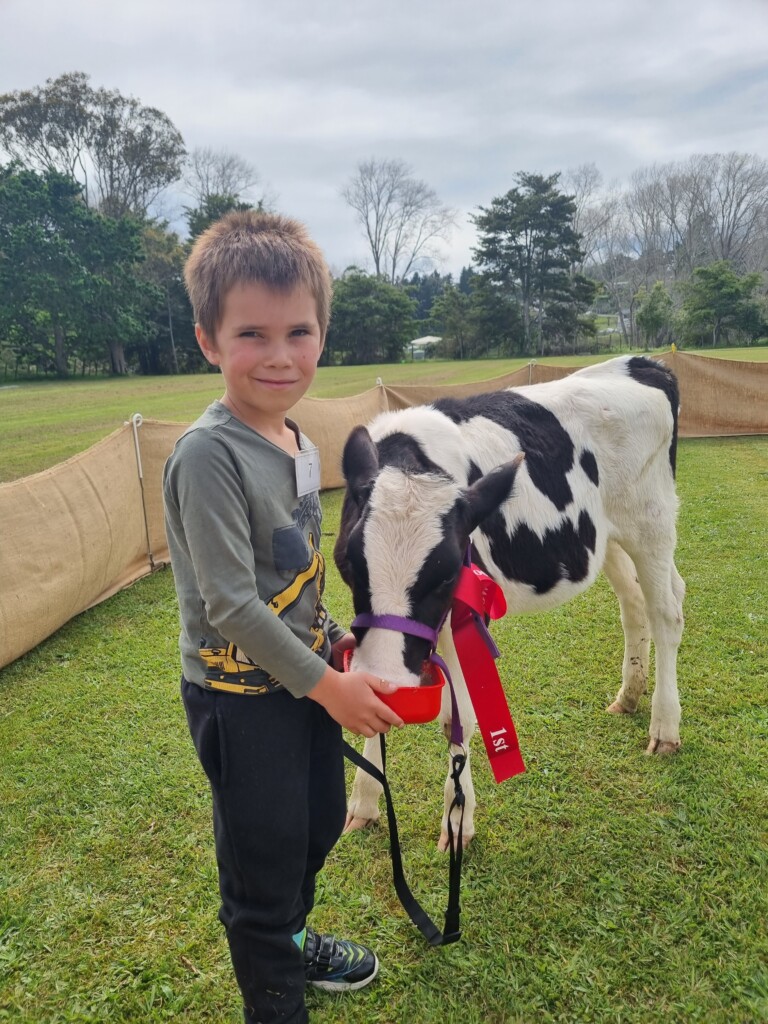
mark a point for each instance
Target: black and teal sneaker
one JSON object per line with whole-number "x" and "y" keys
{"x": 337, "y": 965}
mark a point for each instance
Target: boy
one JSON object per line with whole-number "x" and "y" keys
{"x": 264, "y": 702}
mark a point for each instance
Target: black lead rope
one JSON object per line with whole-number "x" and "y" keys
{"x": 427, "y": 927}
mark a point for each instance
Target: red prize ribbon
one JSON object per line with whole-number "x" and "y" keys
{"x": 477, "y": 595}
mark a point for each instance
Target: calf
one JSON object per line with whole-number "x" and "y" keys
{"x": 595, "y": 490}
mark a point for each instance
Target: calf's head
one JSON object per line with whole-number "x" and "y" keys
{"x": 405, "y": 527}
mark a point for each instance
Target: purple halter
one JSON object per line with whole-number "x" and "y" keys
{"x": 399, "y": 624}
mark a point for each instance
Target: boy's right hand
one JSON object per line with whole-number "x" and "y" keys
{"x": 350, "y": 698}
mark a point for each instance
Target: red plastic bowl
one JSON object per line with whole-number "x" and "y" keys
{"x": 414, "y": 704}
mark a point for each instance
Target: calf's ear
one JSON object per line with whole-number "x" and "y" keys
{"x": 488, "y": 493}
{"x": 360, "y": 464}
{"x": 350, "y": 514}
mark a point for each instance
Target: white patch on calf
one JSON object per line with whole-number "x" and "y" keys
{"x": 439, "y": 437}
{"x": 404, "y": 526}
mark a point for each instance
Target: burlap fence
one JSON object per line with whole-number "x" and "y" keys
{"x": 75, "y": 534}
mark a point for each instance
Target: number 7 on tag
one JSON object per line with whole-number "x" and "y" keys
{"x": 307, "y": 471}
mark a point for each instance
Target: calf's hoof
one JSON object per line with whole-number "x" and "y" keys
{"x": 443, "y": 843}
{"x": 663, "y": 747}
{"x": 618, "y": 709}
{"x": 354, "y": 823}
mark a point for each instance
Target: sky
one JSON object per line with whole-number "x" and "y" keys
{"x": 466, "y": 93}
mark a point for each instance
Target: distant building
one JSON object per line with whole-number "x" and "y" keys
{"x": 422, "y": 347}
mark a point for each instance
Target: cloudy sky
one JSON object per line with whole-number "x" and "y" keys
{"x": 468, "y": 93}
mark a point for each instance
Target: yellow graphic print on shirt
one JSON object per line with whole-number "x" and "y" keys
{"x": 231, "y": 661}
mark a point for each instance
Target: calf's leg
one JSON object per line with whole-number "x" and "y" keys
{"x": 621, "y": 573}
{"x": 664, "y": 590}
{"x": 363, "y": 804}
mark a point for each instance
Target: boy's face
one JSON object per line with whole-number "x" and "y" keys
{"x": 267, "y": 346}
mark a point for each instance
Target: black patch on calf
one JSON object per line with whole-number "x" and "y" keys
{"x": 478, "y": 561}
{"x": 360, "y": 465}
{"x": 474, "y": 474}
{"x": 490, "y": 492}
{"x": 542, "y": 564}
{"x": 404, "y": 452}
{"x": 657, "y": 375}
{"x": 548, "y": 448}
{"x": 347, "y": 551}
{"x": 589, "y": 465}
{"x": 587, "y": 531}
{"x": 432, "y": 591}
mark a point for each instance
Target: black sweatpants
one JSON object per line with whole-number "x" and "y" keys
{"x": 276, "y": 769}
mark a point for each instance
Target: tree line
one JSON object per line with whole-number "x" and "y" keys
{"x": 91, "y": 271}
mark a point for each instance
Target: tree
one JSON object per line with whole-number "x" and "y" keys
{"x": 170, "y": 345}
{"x": 452, "y": 319}
{"x": 567, "y": 318}
{"x": 215, "y": 172}
{"x": 671, "y": 220}
{"x": 137, "y": 152}
{"x": 67, "y": 273}
{"x": 40, "y": 281}
{"x": 496, "y": 319}
{"x": 654, "y": 313}
{"x": 424, "y": 289}
{"x": 585, "y": 184}
{"x": 718, "y": 301}
{"x": 211, "y": 209}
{"x": 219, "y": 182}
{"x": 527, "y": 243}
{"x": 49, "y": 128}
{"x": 476, "y": 320}
{"x": 122, "y": 153}
{"x": 402, "y": 217}
{"x": 685, "y": 215}
{"x": 736, "y": 207}
{"x": 371, "y": 320}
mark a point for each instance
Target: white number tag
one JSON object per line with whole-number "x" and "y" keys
{"x": 307, "y": 471}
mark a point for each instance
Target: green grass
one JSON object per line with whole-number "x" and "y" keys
{"x": 749, "y": 354}
{"x": 602, "y": 886}
{"x": 44, "y": 423}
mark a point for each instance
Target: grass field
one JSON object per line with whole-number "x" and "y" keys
{"x": 603, "y": 886}
{"x": 43, "y": 423}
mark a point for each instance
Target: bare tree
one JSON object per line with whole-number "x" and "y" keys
{"x": 649, "y": 235}
{"x": 737, "y": 205}
{"x": 211, "y": 172}
{"x": 756, "y": 253}
{"x": 402, "y": 217}
{"x": 585, "y": 184}
{"x": 711, "y": 207}
{"x": 675, "y": 218}
{"x": 681, "y": 194}
{"x": 615, "y": 264}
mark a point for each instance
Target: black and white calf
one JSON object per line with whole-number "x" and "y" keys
{"x": 595, "y": 490}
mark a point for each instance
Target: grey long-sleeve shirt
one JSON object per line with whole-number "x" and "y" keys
{"x": 246, "y": 560}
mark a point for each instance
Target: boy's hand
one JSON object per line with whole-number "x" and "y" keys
{"x": 350, "y": 698}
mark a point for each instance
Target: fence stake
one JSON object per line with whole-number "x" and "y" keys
{"x": 136, "y": 420}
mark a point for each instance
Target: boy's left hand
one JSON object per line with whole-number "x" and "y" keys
{"x": 346, "y": 643}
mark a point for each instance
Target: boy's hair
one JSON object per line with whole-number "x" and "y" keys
{"x": 249, "y": 247}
